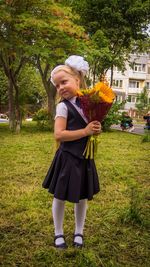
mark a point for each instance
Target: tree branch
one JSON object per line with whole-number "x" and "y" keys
{"x": 46, "y": 70}
{"x": 4, "y": 65}
{"x": 39, "y": 66}
{"x": 22, "y": 62}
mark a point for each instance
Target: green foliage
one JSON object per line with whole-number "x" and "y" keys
{"x": 44, "y": 121}
{"x": 113, "y": 117}
{"x": 143, "y": 101}
{"x": 31, "y": 92}
{"x": 146, "y": 137}
{"x": 113, "y": 16}
{"x": 32, "y": 31}
{"x": 3, "y": 89}
{"x": 115, "y": 27}
{"x": 99, "y": 54}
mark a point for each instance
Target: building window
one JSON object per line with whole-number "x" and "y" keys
{"x": 119, "y": 98}
{"x": 148, "y": 70}
{"x": 118, "y": 83}
{"x": 134, "y": 84}
{"x": 139, "y": 67}
{"x": 117, "y": 69}
{"x": 131, "y": 99}
{"x": 148, "y": 85}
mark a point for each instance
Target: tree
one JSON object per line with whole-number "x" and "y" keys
{"x": 113, "y": 116}
{"x": 114, "y": 26}
{"x": 28, "y": 32}
{"x": 31, "y": 91}
{"x": 64, "y": 44}
{"x": 143, "y": 101}
{"x": 66, "y": 38}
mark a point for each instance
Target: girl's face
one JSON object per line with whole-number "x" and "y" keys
{"x": 66, "y": 84}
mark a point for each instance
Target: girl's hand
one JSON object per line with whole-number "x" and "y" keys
{"x": 94, "y": 127}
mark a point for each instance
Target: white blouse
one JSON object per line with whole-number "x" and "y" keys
{"x": 62, "y": 111}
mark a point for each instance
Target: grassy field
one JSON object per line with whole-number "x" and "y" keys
{"x": 116, "y": 229}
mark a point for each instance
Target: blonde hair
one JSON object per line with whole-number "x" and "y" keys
{"x": 74, "y": 73}
{"x": 71, "y": 71}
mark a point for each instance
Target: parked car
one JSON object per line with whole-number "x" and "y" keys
{"x": 4, "y": 118}
{"x": 28, "y": 119}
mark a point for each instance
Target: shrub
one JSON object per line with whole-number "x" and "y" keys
{"x": 44, "y": 120}
{"x": 113, "y": 117}
{"x": 146, "y": 137}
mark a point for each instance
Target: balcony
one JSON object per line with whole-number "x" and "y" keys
{"x": 134, "y": 90}
{"x": 137, "y": 75}
{"x": 129, "y": 105}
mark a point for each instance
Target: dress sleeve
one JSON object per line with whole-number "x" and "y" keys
{"x": 61, "y": 110}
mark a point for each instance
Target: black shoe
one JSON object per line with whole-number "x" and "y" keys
{"x": 62, "y": 245}
{"x": 76, "y": 244}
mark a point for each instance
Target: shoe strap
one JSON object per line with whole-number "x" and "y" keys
{"x": 58, "y": 236}
{"x": 75, "y": 235}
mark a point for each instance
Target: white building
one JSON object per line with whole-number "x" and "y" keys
{"x": 128, "y": 84}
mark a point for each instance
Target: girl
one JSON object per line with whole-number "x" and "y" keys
{"x": 71, "y": 177}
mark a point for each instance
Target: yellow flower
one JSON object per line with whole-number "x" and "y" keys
{"x": 92, "y": 91}
{"x": 105, "y": 98}
{"x": 93, "y": 107}
{"x": 79, "y": 93}
{"x": 100, "y": 90}
{"x": 98, "y": 86}
{"x": 105, "y": 92}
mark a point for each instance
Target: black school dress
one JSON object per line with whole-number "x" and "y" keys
{"x": 72, "y": 177}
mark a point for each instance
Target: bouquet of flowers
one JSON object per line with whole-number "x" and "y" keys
{"x": 95, "y": 103}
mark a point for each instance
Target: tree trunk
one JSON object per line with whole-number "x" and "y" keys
{"x": 51, "y": 93}
{"x": 0, "y": 105}
{"x": 50, "y": 89}
{"x": 7, "y": 60}
{"x": 111, "y": 77}
{"x": 11, "y": 105}
{"x": 18, "y": 117}
{"x": 94, "y": 73}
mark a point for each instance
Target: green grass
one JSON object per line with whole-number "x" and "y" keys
{"x": 116, "y": 229}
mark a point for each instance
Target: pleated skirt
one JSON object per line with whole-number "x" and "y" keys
{"x": 71, "y": 178}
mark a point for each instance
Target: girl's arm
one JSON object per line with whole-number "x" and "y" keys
{"x": 61, "y": 134}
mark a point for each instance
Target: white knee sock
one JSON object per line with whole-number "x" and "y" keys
{"x": 58, "y": 217}
{"x": 80, "y": 215}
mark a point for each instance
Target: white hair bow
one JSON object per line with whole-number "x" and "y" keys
{"x": 78, "y": 63}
